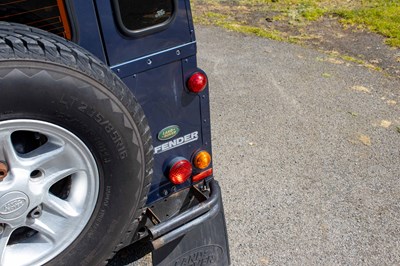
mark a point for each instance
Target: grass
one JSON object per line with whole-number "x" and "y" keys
{"x": 326, "y": 75}
{"x": 225, "y": 22}
{"x": 358, "y": 61}
{"x": 381, "y": 16}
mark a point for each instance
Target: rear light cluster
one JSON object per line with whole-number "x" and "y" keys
{"x": 197, "y": 82}
{"x": 180, "y": 170}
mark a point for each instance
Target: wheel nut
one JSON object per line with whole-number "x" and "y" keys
{"x": 3, "y": 170}
{"x": 36, "y": 212}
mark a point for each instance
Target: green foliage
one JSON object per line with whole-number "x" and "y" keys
{"x": 226, "y": 22}
{"x": 381, "y": 16}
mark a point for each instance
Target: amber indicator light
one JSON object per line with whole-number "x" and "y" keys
{"x": 202, "y": 160}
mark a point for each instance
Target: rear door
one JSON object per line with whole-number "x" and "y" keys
{"x": 150, "y": 44}
{"x": 134, "y": 29}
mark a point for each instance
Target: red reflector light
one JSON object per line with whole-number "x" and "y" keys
{"x": 180, "y": 172}
{"x": 202, "y": 175}
{"x": 197, "y": 82}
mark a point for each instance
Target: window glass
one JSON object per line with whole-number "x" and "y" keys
{"x": 49, "y": 15}
{"x": 141, "y": 14}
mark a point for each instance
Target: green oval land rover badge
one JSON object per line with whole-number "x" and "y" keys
{"x": 168, "y": 132}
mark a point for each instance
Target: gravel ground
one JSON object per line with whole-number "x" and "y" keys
{"x": 307, "y": 153}
{"x": 306, "y": 150}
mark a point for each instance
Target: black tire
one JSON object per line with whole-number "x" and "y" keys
{"x": 46, "y": 78}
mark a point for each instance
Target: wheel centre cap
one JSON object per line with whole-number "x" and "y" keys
{"x": 13, "y": 205}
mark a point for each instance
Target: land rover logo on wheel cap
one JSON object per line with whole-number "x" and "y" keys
{"x": 168, "y": 132}
{"x": 13, "y": 205}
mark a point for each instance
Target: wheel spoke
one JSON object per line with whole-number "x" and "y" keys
{"x": 44, "y": 230}
{"x": 7, "y": 151}
{"x": 4, "y": 238}
{"x": 60, "y": 207}
{"x": 56, "y": 162}
{"x": 52, "y": 178}
{"x": 46, "y": 155}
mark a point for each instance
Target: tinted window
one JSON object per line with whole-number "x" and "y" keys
{"x": 141, "y": 14}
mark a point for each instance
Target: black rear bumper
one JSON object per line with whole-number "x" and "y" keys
{"x": 179, "y": 225}
{"x": 197, "y": 236}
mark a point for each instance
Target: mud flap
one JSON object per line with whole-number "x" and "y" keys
{"x": 205, "y": 244}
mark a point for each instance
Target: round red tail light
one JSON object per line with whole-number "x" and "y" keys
{"x": 197, "y": 82}
{"x": 180, "y": 172}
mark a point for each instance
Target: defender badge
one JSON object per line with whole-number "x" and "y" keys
{"x": 168, "y": 132}
{"x": 172, "y": 144}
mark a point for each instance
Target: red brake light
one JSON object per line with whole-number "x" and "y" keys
{"x": 197, "y": 82}
{"x": 180, "y": 172}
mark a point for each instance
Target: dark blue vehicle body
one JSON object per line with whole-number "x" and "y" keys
{"x": 155, "y": 64}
